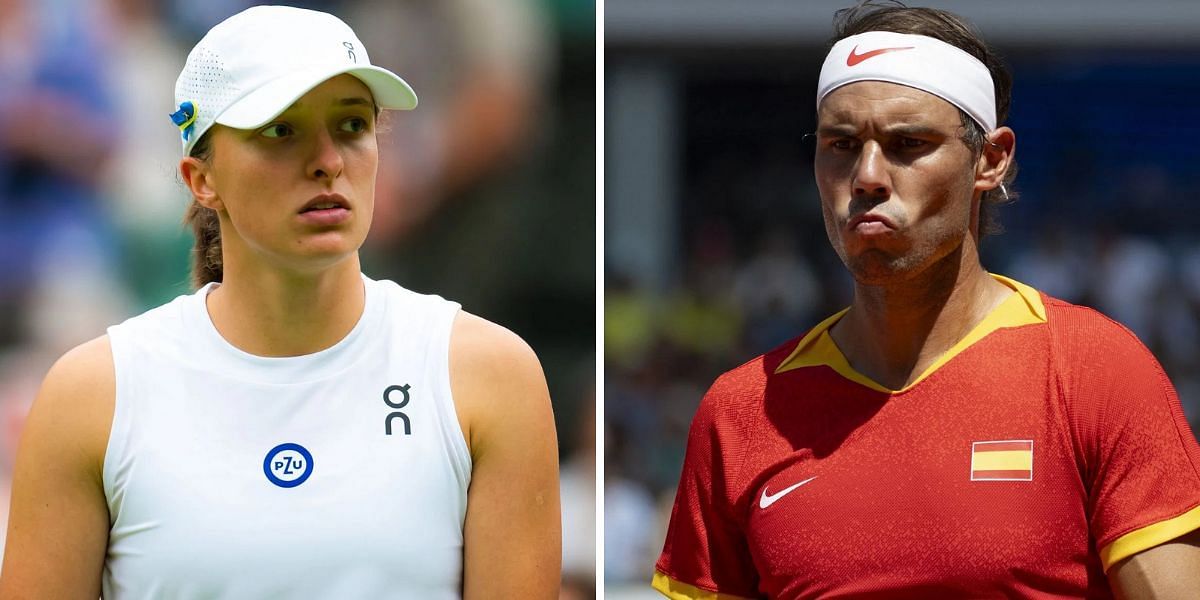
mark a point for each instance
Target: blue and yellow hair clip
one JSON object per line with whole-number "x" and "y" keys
{"x": 185, "y": 119}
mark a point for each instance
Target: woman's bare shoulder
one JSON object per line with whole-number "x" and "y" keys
{"x": 77, "y": 398}
{"x": 487, "y": 348}
{"x": 83, "y": 372}
{"x": 495, "y": 378}
{"x": 89, "y": 361}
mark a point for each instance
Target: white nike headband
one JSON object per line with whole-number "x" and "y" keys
{"x": 916, "y": 61}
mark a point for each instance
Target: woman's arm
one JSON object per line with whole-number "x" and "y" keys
{"x": 512, "y": 536}
{"x": 58, "y": 523}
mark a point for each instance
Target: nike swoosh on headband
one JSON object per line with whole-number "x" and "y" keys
{"x": 854, "y": 58}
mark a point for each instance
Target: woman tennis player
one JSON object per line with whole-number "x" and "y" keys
{"x": 293, "y": 429}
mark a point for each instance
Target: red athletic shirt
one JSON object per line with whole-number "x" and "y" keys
{"x": 1040, "y": 450}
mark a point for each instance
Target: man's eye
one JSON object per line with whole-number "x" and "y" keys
{"x": 843, "y": 144}
{"x": 277, "y": 130}
{"x": 912, "y": 142}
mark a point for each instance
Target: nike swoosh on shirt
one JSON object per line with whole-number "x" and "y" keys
{"x": 856, "y": 58}
{"x": 769, "y": 499}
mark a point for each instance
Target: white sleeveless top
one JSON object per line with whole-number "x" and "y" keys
{"x": 340, "y": 474}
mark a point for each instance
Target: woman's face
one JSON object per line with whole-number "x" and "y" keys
{"x": 298, "y": 193}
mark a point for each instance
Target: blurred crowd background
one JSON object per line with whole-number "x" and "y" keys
{"x": 715, "y": 249}
{"x": 486, "y": 193}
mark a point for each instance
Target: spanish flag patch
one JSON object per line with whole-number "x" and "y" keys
{"x": 1006, "y": 460}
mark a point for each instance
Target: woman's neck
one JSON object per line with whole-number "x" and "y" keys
{"x": 267, "y": 312}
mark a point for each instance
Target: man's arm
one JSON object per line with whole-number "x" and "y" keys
{"x": 512, "y": 535}
{"x": 1170, "y": 571}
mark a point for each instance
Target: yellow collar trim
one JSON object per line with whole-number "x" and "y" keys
{"x": 817, "y": 347}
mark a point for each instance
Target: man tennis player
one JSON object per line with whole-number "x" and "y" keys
{"x": 953, "y": 433}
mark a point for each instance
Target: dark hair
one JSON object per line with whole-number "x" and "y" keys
{"x": 206, "y": 228}
{"x": 956, "y": 31}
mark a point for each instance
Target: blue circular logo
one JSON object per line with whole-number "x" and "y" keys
{"x": 288, "y": 465}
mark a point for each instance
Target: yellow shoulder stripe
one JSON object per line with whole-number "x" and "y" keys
{"x": 1148, "y": 537}
{"x": 677, "y": 590}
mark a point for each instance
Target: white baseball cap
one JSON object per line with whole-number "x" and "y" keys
{"x": 254, "y": 65}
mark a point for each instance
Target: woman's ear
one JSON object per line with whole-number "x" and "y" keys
{"x": 197, "y": 175}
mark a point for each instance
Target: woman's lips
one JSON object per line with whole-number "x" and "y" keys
{"x": 325, "y": 216}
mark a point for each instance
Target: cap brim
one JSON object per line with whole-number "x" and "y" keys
{"x": 267, "y": 102}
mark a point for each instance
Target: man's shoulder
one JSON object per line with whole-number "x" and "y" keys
{"x": 1074, "y": 325}
{"x": 747, "y": 382}
{"x": 1088, "y": 345}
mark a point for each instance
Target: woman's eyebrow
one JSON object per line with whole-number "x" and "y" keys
{"x": 351, "y": 101}
{"x": 354, "y": 101}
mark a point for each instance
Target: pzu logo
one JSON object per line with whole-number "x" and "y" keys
{"x": 388, "y": 399}
{"x": 288, "y": 465}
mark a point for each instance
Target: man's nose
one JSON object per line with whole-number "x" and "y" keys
{"x": 871, "y": 176}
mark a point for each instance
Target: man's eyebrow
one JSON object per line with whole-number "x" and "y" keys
{"x": 836, "y": 130}
{"x": 913, "y": 130}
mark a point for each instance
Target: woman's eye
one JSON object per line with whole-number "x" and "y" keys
{"x": 277, "y": 130}
{"x": 355, "y": 125}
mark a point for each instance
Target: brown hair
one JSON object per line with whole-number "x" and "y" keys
{"x": 956, "y": 31}
{"x": 206, "y": 228}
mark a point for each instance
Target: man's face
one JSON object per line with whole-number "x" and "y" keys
{"x": 896, "y": 180}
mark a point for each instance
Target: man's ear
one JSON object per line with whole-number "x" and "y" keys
{"x": 198, "y": 176}
{"x": 999, "y": 149}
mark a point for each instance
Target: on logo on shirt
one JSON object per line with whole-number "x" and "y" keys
{"x": 388, "y": 399}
